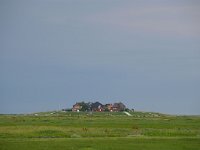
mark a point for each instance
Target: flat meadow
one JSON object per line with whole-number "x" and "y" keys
{"x": 99, "y": 131}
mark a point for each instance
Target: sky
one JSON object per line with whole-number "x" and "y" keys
{"x": 54, "y": 53}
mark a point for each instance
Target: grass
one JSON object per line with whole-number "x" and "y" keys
{"x": 101, "y": 131}
{"x": 102, "y": 144}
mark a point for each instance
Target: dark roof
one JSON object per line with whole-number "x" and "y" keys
{"x": 119, "y": 105}
{"x": 96, "y": 105}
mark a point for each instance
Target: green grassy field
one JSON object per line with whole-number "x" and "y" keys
{"x": 99, "y": 131}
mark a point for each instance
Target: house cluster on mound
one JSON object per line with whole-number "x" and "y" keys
{"x": 98, "y": 107}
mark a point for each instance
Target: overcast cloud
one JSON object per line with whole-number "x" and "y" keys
{"x": 55, "y": 53}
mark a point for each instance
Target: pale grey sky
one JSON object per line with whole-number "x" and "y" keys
{"x": 143, "y": 53}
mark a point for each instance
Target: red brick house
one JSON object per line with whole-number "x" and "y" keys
{"x": 76, "y": 107}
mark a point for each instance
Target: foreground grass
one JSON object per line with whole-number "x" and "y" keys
{"x": 102, "y": 144}
{"x": 99, "y": 131}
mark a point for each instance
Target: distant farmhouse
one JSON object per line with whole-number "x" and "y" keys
{"x": 77, "y": 107}
{"x": 98, "y": 107}
{"x": 118, "y": 107}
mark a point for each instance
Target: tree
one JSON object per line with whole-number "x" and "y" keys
{"x": 85, "y": 106}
